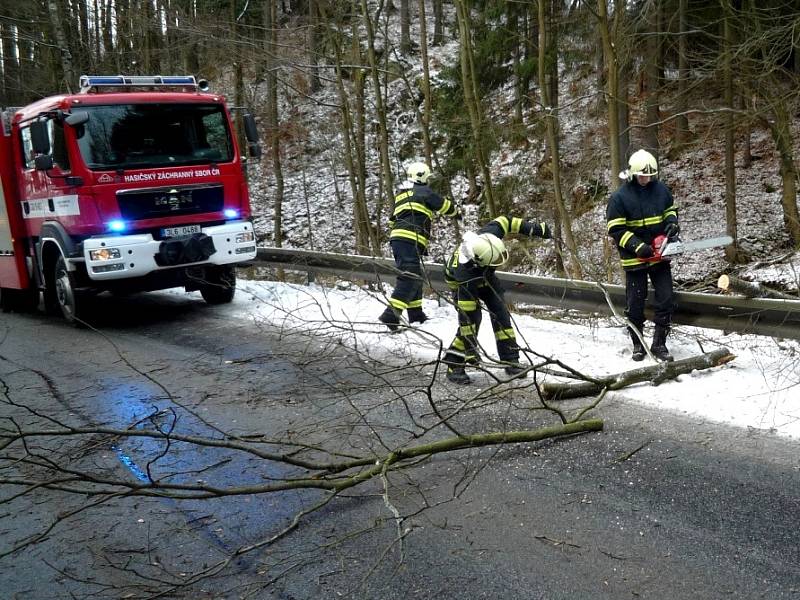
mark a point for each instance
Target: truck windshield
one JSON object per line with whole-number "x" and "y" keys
{"x": 135, "y": 136}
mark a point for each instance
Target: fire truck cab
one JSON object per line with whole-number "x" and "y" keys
{"x": 132, "y": 184}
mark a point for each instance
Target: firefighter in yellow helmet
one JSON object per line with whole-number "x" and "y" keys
{"x": 638, "y": 212}
{"x": 470, "y": 273}
{"x": 414, "y": 208}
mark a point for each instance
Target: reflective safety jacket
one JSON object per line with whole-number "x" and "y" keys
{"x": 636, "y": 215}
{"x": 458, "y": 273}
{"x": 413, "y": 210}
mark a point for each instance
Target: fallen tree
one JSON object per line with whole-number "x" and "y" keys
{"x": 750, "y": 289}
{"x": 656, "y": 374}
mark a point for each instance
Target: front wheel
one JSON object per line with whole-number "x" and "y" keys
{"x": 219, "y": 285}
{"x": 66, "y": 297}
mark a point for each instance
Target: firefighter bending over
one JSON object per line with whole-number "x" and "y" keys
{"x": 470, "y": 273}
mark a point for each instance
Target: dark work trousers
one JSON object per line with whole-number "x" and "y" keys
{"x": 468, "y": 297}
{"x": 408, "y": 289}
{"x": 660, "y": 275}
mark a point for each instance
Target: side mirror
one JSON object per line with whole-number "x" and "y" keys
{"x": 250, "y": 129}
{"x": 77, "y": 118}
{"x": 40, "y": 138}
{"x": 43, "y": 162}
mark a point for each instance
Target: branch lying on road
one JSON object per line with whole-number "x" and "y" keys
{"x": 656, "y": 374}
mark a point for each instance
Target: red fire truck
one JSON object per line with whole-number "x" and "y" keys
{"x": 132, "y": 184}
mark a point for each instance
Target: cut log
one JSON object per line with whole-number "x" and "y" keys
{"x": 751, "y": 289}
{"x": 656, "y": 374}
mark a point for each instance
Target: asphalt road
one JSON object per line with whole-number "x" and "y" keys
{"x": 654, "y": 506}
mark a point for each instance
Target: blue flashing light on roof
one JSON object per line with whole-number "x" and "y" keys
{"x": 94, "y": 83}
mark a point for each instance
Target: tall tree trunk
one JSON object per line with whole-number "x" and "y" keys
{"x": 471, "y": 100}
{"x": 612, "y": 87}
{"x": 273, "y": 117}
{"x": 682, "y": 105}
{"x": 551, "y": 119}
{"x": 652, "y": 71}
{"x": 363, "y": 230}
{"x": 315, "y": 84}
{"x": 730, "y": 148}
{"x": 426, "y": 84}
{"x": 58, "y": 22}
{"x": 380, "y": 111}
{"x": 438, "y": 23}
{"x": 782, "y": 134}
{"x": 405, "y": 27}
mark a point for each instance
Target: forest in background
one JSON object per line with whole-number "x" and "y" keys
{"x": 669, "y": 76}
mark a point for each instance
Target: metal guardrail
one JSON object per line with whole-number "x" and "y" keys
{"x": 762, "y": 316}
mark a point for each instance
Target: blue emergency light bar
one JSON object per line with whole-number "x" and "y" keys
{"x": 93, "y": 82}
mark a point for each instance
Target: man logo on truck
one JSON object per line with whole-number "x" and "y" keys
{"x": 83, "y": 209}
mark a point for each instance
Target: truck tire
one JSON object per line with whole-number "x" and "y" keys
{"x": 68, "y": 299}
{"x": 219, "y": 286}
{"x": 23, "y": 301}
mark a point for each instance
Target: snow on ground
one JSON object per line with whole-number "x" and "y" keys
{"x": 760, "y": 389}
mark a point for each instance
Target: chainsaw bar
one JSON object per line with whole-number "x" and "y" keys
{"x": 679, "y": 247}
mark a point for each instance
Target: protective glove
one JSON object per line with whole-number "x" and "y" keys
{"x": 644, "y": 251}
{"x": 542, "y": 230}
{"x": 672, "y": 230}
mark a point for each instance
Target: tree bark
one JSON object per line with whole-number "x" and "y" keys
{"x": 472, "y": 101}
{"x": 551, "y": 118}
{"x": 612, "y": 87}
{"x": 731, "y": 227}
{"x": 750, "y": 289}
{"x": 656, "y": 374}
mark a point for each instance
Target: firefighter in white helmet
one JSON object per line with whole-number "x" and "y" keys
{"x": 410, "y": 222}
{"x": 638, "y": 212}
{"x": 470, "y": 273}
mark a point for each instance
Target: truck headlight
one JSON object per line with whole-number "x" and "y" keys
{"x": 104, "y": 254}
{"x": 247, "y": 236}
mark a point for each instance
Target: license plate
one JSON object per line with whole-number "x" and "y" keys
{"x": 179, "y": 230}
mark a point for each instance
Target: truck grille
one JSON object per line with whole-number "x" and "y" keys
{"x": 152, "y": 203}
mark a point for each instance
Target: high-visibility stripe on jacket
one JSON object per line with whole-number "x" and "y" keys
{"x": 456, "y": 273}
{"x": 636, "y": 215}
{"x": 413, "y": 211}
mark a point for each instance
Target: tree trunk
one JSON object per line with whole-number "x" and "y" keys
{"x": 782, "y": 134}
{"x": 658, "y": 373}
{"x": 405, "y": 27}
{"x": 273, "y": 117}
{"x": 380, "y": 111}
{"x": 731, "y": 227}
{"x": 682, "y": 121}
{"x": 438, "y": 23}
{"x": 551, "y": 118}
{"x": 471, "y": 100}
{"x": 652, "y": 70}
{"x": 612, "y": 87}
{"x": 58, "y": 23}
{"x": 314, "y": 84}
{"x": 426, "y": 85}
{"x": 730, "y": 283}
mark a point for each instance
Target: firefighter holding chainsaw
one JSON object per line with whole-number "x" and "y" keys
{"x": 470, "y": 273}
{"x": 638, "y": 213}
{"x": 414, "y": 208}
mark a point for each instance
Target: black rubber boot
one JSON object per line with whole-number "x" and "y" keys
{"x": 415, "y": 315}
{"x": 458, "y": 375}
{"x": 391, "y": 318}
{"x": 638, "y": 348}
{"x": 516, "y": 370}
{"x": 659, "y": 346}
